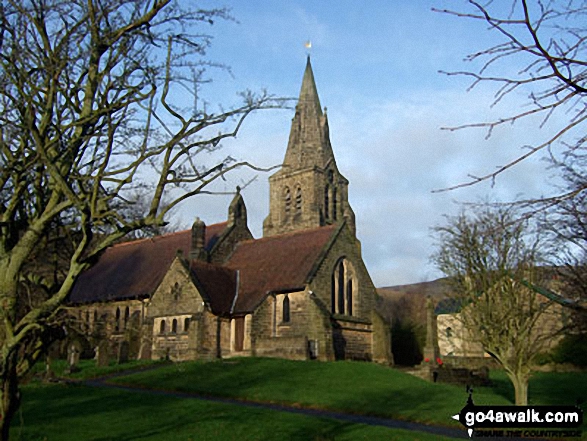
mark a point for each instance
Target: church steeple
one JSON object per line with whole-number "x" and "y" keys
{"x": 309, "y": 92}
{"x": 309, "y": 141}
{"x": 308, "y": 191}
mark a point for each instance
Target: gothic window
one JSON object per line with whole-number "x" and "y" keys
{"x": 298, "y": 199}
{"x": 341, "y": 286}
{"x": 286, "y": 312}
{"x": 174, "y": 326}
{"x": 186, "y": 324}
{"x": 343, "y": 296}
{"x": 349, "y": 296}
{"x": 126, "y": 316}
{"x": 117, "y": 320}
{"x": 162, "y": 327}
{"x": 95, "y": 316}
{"x": 87, "y": 318}
{"x": 287, "y": 200}
{"x": 326, "y": 202}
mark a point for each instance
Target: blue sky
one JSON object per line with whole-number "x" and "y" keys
{"x": 376, "y": 67}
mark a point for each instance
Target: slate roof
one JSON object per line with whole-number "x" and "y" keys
{"x": 281, "y": 263}
{"x": 135, "y": 269}
{"x": 216, "y": 284}
{"x": 278, "y": 263}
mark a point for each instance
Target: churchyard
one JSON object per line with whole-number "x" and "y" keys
{"x": 72, "y": 409}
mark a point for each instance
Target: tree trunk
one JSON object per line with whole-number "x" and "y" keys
{"x": 520, "y": 382}
{"x": 9, "y": 394}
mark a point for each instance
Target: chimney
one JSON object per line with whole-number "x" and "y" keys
{"x": 198, "y": 251}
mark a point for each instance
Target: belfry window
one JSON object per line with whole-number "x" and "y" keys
{"x": 343, "y": 298}
{"x": 162, "y": 327}
{"x": 287, "y": 200}
{"x": 174, "y": 326}
{"x": 298, "y": 199}
{"x": 126, "y": 316}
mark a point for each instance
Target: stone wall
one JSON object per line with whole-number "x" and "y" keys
{"x": 308, "y": 325}
{"x": 292, "y": 348}
{"x": 348, "y": 247}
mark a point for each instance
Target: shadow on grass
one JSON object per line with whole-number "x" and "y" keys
{"x": 62, "y": 412}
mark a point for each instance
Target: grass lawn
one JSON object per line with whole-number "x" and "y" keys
{"x": 354, "y": 387}
{"x": 80, "y": 413}
{"x": 89, "y": 369}
{"x": 77, "y": 412}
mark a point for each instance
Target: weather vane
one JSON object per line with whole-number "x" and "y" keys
{"x": 308, "y": 46}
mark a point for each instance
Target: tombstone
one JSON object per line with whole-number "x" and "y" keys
{"x": 102, "y": 356}
{"x": 123, "y": 349}
{"x": 74, "y": 350}
{"x": 49, "y": 374}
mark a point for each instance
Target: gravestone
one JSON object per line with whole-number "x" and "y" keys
{"x": 74, "y": 350}
{"x": 49, "y": 374}
{"x": 102, "y": 358}
{"x": 123, "y": 350}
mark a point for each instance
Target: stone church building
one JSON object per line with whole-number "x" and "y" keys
{"x": 302, "y": 291}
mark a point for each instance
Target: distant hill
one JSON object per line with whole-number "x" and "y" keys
{"x": 404, "y": 307}
{"x": 438, "y": 289}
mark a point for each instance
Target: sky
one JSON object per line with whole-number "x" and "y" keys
{"x": 376, "y": 66}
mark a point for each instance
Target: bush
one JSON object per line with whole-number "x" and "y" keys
{"x": 572, "y": 349}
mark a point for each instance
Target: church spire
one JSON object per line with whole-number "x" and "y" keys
{"x": 308, "y": 191}
{"x": 309, "y": 92}
{"x": 309, "y": 142}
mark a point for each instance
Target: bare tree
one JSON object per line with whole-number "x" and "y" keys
{"x": 492, "y": 263}
{"x": 89, "y": 112}
{"x": 543, "y": 54}
{"x": 566, "y": 225}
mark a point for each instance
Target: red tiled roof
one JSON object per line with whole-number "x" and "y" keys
{"x": 135, "y": 269}
{"x": 276, "y": 264}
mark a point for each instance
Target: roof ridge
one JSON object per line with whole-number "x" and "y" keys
{"x": 162, "y": 236}
{"x": 290, "y": 233}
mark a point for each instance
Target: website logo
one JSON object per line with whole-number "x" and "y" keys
{"x": 520, "y": 421}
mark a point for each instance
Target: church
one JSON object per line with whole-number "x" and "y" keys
{"x": 302, "y": 291}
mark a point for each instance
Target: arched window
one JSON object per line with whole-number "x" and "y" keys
{"x": 342, "y": 294}
{"x": 287, "y": 199}
{"x": 174, "y": 326}
{"x": 286, "y": 315}
{"x": 117, "y": 320}
{"x": 349, "y": 296}
{"x": 341, "y": 286}
{"x": 326, "y": 203}
{"x": 126, "y": 316}
{"x": 298, "y": 199}
{"x": 162, "y": 327}
{"x": 186, "y": 324}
